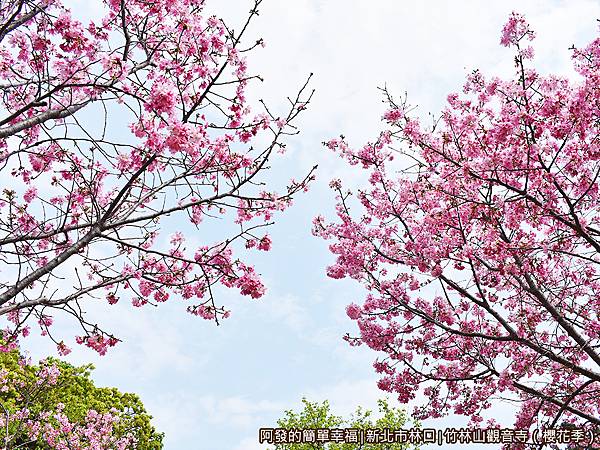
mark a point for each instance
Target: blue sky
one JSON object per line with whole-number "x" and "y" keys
{"x": 212, "y": 387}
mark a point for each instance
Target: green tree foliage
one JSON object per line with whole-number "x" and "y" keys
{"x": 32, "y": 395}
{"x": 318, "y": 415}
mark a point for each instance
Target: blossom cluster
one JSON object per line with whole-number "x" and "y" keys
{"x": 481, "y": 258}
{"x": 52, "y": 427}
{"x": 177, "y": 79}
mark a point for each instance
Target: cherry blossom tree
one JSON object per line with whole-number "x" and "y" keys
{"x": 479, "y": 245}
{"x": 54, "y": 405}
{"x": 114, "y": 137}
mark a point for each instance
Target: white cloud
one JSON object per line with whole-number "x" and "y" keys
{"x": 185, "y": 417}
{"x": 287, "y": 309}
{"x": 249, "y": 443}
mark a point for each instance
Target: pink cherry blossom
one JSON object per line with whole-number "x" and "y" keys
{"x": 173, "y": 143}
{"x": 479, "y": 252}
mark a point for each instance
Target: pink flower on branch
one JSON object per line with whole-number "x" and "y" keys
{"x": 44, "y": 412}
{"x": 96, "y": 201}
{"x": 480, "y": 256}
